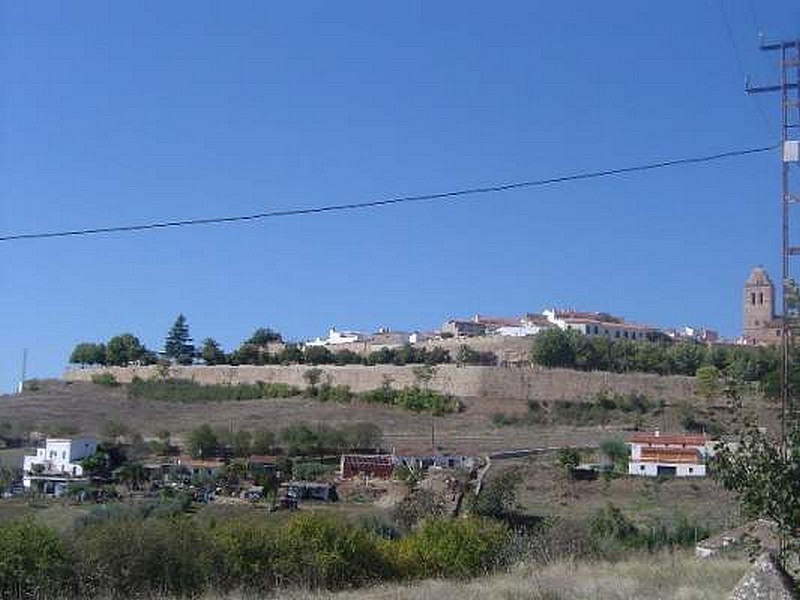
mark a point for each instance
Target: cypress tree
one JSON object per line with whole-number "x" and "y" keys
{"x": 178, "y": 345}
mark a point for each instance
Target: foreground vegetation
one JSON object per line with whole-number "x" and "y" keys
{"x": 165, "y": 553}
{"x": 668, "y": 576}
{"x": 127, "y": 557}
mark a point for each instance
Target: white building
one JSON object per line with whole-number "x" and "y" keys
{"x": 597, "y": 324}
{"x": 338, "y": 337}
{"x": 57, "y": 463}
{"x": 518, "y": 330}
{"x": 674, "y": 455}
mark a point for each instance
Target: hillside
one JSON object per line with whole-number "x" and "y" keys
{"x": 86, "y": 407}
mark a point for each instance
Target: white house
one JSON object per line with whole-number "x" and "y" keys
{"x": 57, "y": 463}
{"x": 338, "y": 337}
{"x": 518, "y": 330}
{"x": 674, "y": 455}
{"x": 597, "y": 324}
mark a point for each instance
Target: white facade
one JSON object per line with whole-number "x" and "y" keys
{"x": 59, "y": 458}
{"x": 650, "y": 469}
{"x": 519, "y": 330}
{"x": 585, "y": 324}
{"x": 337, "y": 337}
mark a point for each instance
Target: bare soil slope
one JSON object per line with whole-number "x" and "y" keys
{"x": 86, "y": 407}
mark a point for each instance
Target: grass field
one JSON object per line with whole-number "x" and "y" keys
{"x": 57, "y": 514}
{"x": 678, "y": 576}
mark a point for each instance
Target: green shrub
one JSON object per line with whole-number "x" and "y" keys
{"x": 450, "y": 548}
{"x": 312, "y": 470}
{"x": 143, "y": 558}
{"x": 248, "y": 549}
{"x": 320, "y": 551}
{"x": 33, "y": 562}
{"x": 334, "y": 393}
{"x": 105, "y": 378}
{"x": 413, "y": 398}
{"x": 186, "y": 390}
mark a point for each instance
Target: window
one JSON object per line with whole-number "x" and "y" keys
{"x": 625, "y": 334}
{"x": 641, "y": 467}
{"x": 753, "y": 298}
{"x": 691, "y": 470}
{"x": 64, "y": 454}
{"x": 761, "y": 297}
{"x": 606, "y": 331}
{"x": 596, "y": 329}
{"x": 616, "y": 334}
{"x": 633, "y": 335}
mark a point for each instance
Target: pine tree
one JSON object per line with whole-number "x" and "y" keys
{"x": 178, "y": 345}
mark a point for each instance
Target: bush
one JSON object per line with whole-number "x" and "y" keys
{"x": 319, "y": 551}
{"x": 186, "y": 390}
{"x": 33, "y": 562}
{"x": 180, "y": 557}
{"x": 413, "y": 398}
{"x": 310, "y": 471}
{"x": 498, "y": 496}
{"x": 334, "y": 393}
{"x": 105, "y": 378}
{"x": 451, "y": 548}
{"x": 143, "y": 558}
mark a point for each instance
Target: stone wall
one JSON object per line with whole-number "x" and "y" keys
{"x": 490, "y": 382}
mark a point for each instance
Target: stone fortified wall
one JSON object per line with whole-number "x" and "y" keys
{"x": 526, "y": 383}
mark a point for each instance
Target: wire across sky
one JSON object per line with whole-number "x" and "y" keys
{"x": 451, "y": 195}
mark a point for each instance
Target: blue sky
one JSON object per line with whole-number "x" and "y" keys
{"x": 129, "y": 112}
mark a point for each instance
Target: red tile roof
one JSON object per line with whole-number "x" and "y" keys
{"x": 672, "y": 439}
{"x": 670, "y": 455}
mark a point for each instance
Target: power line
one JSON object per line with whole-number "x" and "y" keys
{"x": 386, "y": 202}
{"x": 738, "y": 57}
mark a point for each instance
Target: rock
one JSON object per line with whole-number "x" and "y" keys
{"x": 765, "y": 580}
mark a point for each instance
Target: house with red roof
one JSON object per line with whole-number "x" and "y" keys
{"x": 668, "y": 454}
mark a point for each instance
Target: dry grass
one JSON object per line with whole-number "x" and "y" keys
{"x": 86, "y": 407}
{"x": 677, "y": 576}
{"x": 546, "y": 490}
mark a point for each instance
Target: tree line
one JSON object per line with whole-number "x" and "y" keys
{"x": 571, "y": 350}
{"x": 264, "y": 347}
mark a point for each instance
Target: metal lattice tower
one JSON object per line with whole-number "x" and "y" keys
{"x": 789, "y": 89}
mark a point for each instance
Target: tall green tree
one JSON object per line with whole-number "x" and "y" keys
{"x": 212, "y": 353}
{"x": 87, "y": 353}
{"x": 124, "y": 349}
{"x": 764, "y": 476}
{"x": 707, "y": 382}
{"x": 553, "y": 348}
{"x": 263, "y": 336}
{"x": 178, "y": 345}
{"x": 203, "y": 442}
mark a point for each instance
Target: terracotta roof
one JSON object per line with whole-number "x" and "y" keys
{"x": 669, "y": 455}
{"x": 198, "y": 462}
{"x": 612, "y": 324}
{"x": 671, "y": 439}
{"x": 262, "y": 458}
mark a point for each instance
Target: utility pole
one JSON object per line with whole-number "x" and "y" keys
{"x": 23, "y": 374}
{"x": 789, "y": 88}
